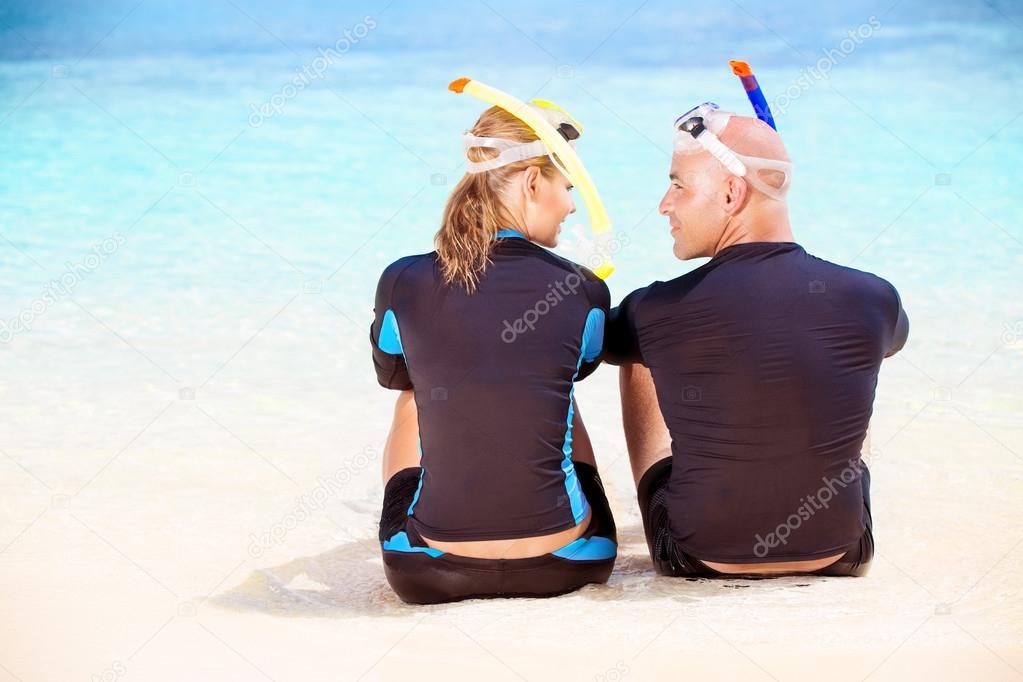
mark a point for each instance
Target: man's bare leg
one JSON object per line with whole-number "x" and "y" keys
{"x": 402, "y": 448}
{"x": 646, "y": 436}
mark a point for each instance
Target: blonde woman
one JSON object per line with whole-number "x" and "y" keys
{"x": 491, "y": 488}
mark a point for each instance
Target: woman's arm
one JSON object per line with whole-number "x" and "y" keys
{"x": 402, "y": 448}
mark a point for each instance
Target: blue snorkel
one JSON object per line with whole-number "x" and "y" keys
{"x": 753, "y": 91}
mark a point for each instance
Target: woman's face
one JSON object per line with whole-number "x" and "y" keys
{"x": 548, "y": 203}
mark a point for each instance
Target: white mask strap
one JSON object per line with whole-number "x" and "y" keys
{"x": 754, "y": 164}
{"x": 510, "y": 151}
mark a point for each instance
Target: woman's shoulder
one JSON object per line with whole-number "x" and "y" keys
{"x": 395, "y": 269}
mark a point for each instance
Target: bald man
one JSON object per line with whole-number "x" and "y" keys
{"x": 748, "y": 383}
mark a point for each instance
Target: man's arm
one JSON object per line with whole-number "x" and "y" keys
{"x": 621, "y": 338}
{"x": 901, "y": 333}
{"x": 646, "y": 435}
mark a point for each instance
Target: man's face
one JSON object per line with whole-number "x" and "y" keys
{"x": 693, "y": 204}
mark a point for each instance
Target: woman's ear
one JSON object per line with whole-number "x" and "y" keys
{"x": 531, "y": 182}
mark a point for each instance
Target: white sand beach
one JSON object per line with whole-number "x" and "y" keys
{"x": 188, "y": 551}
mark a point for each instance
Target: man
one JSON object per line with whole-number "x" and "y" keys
{"x": 748, "y": 383}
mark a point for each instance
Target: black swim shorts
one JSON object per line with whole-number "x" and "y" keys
{"x": 420, "y": 574}
{"x": 670, "y": 560}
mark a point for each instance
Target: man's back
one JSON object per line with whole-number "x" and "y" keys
{"x": 765, "y": 362}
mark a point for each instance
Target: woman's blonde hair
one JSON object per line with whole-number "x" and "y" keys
{"x": 475, "y": 210}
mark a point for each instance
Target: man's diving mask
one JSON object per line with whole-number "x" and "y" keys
{"x": 697, "y": 130}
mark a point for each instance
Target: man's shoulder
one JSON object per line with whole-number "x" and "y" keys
{"x": 666, "y": 291}
{"x": 852, "y": 280}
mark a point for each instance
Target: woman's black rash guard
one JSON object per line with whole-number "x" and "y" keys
{"x": 765, "y": 361}
{"x": 493, "y": 376}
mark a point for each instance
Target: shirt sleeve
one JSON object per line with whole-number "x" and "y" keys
{"x": 621, "y": 339}
{"x": 900, "y": 333}
{"x": 593, "y": 331}
{"x": 385, "y": 337}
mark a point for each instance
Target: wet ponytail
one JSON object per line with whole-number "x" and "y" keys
{"x": 475, "y": 210}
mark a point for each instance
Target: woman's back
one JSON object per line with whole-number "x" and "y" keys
{"x": 493, "y": 374}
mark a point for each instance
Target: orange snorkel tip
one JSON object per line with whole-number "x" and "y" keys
{"x": 740, "y": 68}
{"x": 458, "y": 84}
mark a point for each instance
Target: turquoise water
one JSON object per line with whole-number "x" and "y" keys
{"x": 135, "y": 122}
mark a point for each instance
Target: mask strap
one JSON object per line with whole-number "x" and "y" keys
{"x": 755, "y": 163}
{"x": 510, "y": 151}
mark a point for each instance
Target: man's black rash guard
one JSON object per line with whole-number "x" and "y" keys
{"x": 493, "y": 376}
{"x": 765, "y": 362}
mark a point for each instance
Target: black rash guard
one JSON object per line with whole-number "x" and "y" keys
{"x": 765, "y": 361}
{"x": 493, "y": 376}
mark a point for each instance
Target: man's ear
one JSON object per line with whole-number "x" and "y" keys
{"x": 736, "y": 193}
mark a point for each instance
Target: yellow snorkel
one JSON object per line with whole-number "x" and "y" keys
{"x": 559, "y": 147}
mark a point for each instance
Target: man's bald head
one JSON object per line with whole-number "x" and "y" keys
{"x": 752, "y": 137}
{"x": 709, "y": 208}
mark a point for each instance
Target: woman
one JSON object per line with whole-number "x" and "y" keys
{"x": 491, "y": 488}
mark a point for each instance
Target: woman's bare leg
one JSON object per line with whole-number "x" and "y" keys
{"x": 646, "y": 436}
{"x": 402, "y": 448}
